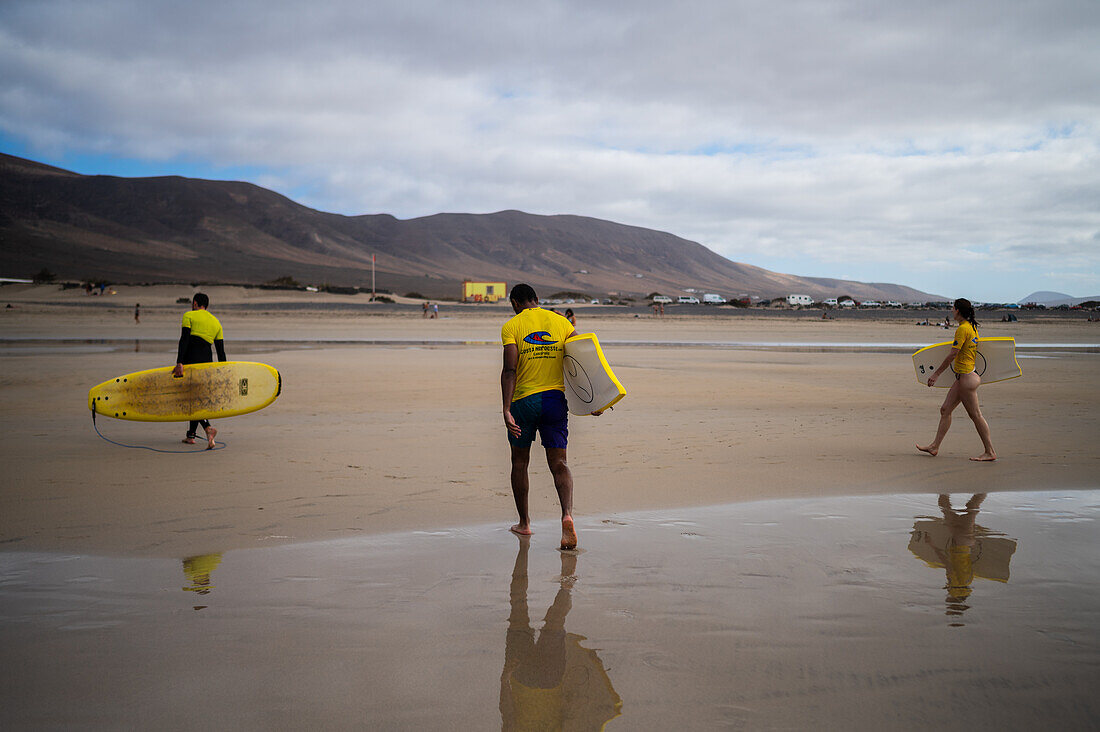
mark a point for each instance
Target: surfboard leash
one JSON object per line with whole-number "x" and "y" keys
{"x": 219, "y": 445}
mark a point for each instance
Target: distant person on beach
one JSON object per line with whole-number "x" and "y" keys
{"x": 965, "y": 389}
{"x": 201, "y": 330}
{"x": 426, "y": 306}
{"x": 571, "y": 317}
{"x": 137, "y": 313}
{"x": 435, "y": 310}
{"x": 533, "y": 390}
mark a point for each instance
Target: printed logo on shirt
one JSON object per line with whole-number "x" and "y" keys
{"x": 539, "y": 338}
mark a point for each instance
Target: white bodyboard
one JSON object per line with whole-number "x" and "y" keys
{"x": 590, "y": 384}
{"x": 995, "y": 361}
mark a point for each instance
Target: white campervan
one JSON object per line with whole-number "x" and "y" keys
{"x": 711, "y": 299}
{"x": 802, "y": 300}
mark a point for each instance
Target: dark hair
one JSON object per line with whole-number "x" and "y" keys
{"x": 523, "y": 293}
{"x": 966, "y": 309}
{"x": 202, "y": 300}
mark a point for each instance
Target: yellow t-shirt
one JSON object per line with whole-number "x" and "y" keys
{"x": 540, "y": 336}
{"x": 966, "y": 340}
{"x": 204, "y": 325}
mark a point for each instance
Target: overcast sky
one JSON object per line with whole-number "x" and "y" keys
{"x": 949, "y": 146}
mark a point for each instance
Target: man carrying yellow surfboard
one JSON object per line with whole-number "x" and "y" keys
{"x": 200, "y": 330}
{"x": 533, "y": 390}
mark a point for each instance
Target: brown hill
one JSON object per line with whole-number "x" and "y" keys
{"x": 175, "y": 229}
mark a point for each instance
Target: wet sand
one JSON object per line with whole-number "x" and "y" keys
{"x": 874, "y": 612}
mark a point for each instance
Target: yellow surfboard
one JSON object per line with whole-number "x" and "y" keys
{"x": 205, "y": 391}
{"x": 590, "y": 384}
{"x": 995, "y": 361}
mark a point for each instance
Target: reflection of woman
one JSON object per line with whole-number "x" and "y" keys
{"x": 552, "y": 682}
{"x": 957, "y": 556}
{"x": 964, "y": 349}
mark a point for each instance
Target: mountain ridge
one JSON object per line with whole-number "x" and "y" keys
{"x": 1053, "y": 299}
{"x": 172, "y": 228}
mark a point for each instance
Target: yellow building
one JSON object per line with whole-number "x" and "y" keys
{"x": 483, "y": 291}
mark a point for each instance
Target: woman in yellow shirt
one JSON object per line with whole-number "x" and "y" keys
{"x": 965, "y": 389}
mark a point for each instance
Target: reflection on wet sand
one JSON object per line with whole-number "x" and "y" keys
{"x": 198, "y": 569}
{"x": 964, "y": 549}
{"x": 552, "y": 682}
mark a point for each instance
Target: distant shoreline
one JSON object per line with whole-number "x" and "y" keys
{"x": 236, "y": 298}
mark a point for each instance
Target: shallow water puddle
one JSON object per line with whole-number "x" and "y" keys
{"x": 888, "y": 611}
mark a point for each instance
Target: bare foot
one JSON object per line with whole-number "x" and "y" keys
{"x": 985, "y": 457}
{"x": 521, "y": 530}
{"x": 189, "y": 440}
{"x": 568, "y": 533}
{"x": 933, "y": 451}
{"x": 211, "y": 433}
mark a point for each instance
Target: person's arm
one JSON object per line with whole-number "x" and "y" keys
{"x": 943, "y": 366}
{"x": 508, "y": 386}
{"x": 219, "y": 346}
{"x": 182, "y": 349}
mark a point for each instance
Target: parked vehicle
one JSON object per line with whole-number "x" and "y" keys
{"x": 846, "y": 303}
{"x": 711, "y": 299}
{"x": 870, "y": 304}
{"x": 687, "y": 300}
{"x": 829, "y": 302}
{"x": 803, "y": 300}
{"x": 662, "y": 299}
{"x": 893, "y": 304}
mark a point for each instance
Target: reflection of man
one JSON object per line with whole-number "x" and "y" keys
{"x": 963, "y": 549}
{"x": 533, "y": 389}
{"x": 198, "y": 571}
{"x": 552, "y": 682}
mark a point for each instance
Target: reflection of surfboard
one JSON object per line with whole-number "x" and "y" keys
{"x": 206, "y": 391}
{"x": 990, "y": 555}
{"x": 590, "y": 384}
{"x": 994, "y": 361}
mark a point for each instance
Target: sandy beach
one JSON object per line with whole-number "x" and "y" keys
{"x": 383, "y": 438}
{"x": 761, "y": 545}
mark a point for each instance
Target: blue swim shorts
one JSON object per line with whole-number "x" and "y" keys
{"x": 545, "y": 411}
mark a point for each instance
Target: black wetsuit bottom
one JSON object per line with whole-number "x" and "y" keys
{"x": 196, "y": 350}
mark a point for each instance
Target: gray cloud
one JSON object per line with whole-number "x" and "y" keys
{"x": 841, "y": 137}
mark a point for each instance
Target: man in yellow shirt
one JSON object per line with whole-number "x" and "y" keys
{"x": 201, "y": 330}
{"x": 533, "y": 390}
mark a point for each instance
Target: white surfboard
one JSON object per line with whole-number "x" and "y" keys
{"x": 590, "y": 384}
{"x": 994, "y": 361}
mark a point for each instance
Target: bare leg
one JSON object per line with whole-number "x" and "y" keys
{"x": 563, "y": 484}
{"x": 969, "y": 396}
{"x": 211, "y": 433}
{"x": 521, "y": 458}
{"x": 949, "y": 403}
